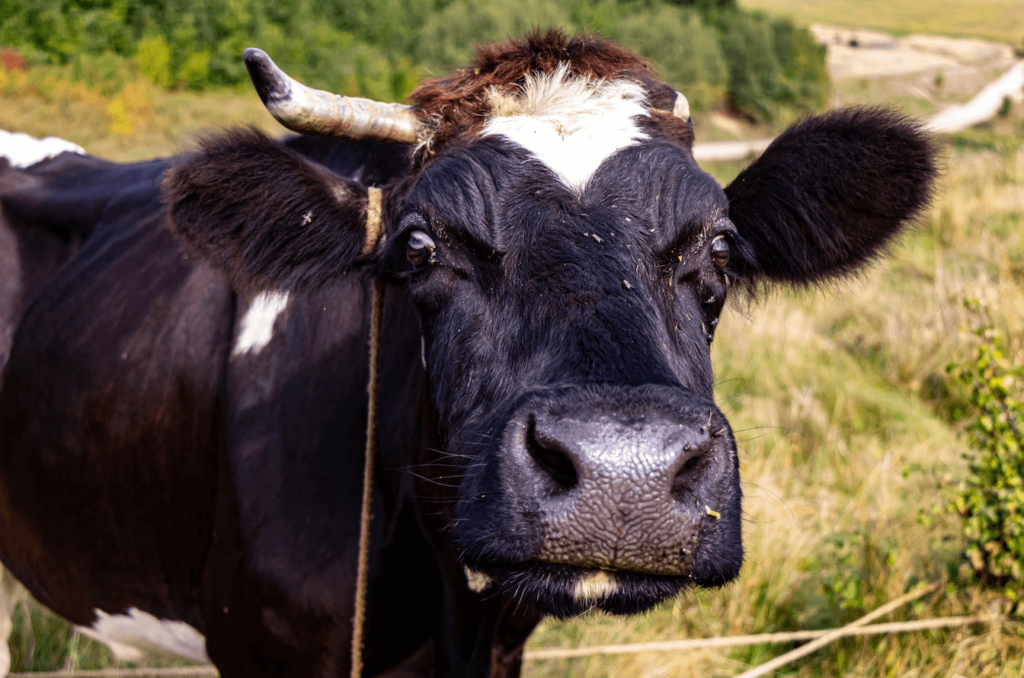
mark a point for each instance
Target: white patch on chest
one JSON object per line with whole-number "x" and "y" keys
{"x": 570, "y": 124}
{"x": 136, "y": 634}
{"x": 22, "y": 150}
{"x": 257, "y": 326}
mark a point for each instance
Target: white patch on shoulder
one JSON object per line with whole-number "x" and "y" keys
{"x": 22, "y": 150}
{"x": 594, "y": 587}
{"x": 257, "y": 326}
{"x": 134, "y": 635}
{"x": 572, "y": 124}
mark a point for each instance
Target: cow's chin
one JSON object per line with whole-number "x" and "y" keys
{"x": 568, "y": 591}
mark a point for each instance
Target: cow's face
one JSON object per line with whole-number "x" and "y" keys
{"x": 567, "y": 316}
{"x": 569, "y": 261}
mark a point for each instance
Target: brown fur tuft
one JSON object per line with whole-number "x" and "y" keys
{"x": 458, "y": 105}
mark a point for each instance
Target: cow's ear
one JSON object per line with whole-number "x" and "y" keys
{"x": 266, "y": 215}
{"x": 831, "y": 193}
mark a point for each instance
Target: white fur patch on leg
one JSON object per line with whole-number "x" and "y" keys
{"x": 134, "y": 635}
{"x": 22, "y": 150}
{"x": 571, "y": 124}
{"x": 593, "y": 587}
{"x": 257, "y": 326}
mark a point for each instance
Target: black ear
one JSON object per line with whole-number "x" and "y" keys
{"x": 832, "y": 192}
{"x": 267, "y": 216}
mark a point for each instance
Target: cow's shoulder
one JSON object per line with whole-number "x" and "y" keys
{"x": 110, "y": 404}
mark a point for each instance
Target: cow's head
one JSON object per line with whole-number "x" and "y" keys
{"x": 569, "y": 261}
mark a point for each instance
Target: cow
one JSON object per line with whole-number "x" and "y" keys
{"x": 183, "y": 413}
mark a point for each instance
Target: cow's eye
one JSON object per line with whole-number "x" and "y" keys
{"x": 419, "y": 248}
{"x": 720, "y": 251}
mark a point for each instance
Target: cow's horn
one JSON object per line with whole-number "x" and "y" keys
{"x": 312, "y": 111}
{"x": 682, "y": 107}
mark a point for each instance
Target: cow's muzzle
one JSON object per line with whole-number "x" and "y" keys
{"x": 603, "y": 496}
{"x": 639, "y": 493}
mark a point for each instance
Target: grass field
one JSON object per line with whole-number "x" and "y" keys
{"x": 1001, "y": 20}
{"x": 839, "y": 398}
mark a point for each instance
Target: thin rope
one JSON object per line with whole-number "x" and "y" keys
{"x": 689, "y": 644}
{"x": 373, "y": 226}
{"x": 374, "y": 207}
{"x": 828, "y": 638}
{"x": 756, "y": 639}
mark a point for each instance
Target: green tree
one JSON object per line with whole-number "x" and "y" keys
{"x": 683, "y": 49}
{"x": 449, "y": 36}
{"x": 772, "y": 66}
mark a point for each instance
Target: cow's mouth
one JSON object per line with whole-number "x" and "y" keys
{"x": 567, "y": 590}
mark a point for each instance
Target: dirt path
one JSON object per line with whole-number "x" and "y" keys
{"x": 870, "y": 54}
{"x": 964, "y": 66}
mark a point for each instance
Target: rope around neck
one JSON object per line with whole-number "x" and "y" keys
{"x": 373, "y": 235}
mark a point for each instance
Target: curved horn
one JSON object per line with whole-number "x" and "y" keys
{"x": 312, "y": 111}
{"x": 682, "y": 107}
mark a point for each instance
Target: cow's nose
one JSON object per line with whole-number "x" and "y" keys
{"x": 663, "y": 454}
{"x": 631, "y": 493}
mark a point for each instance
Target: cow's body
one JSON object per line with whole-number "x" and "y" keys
{"x": 183, "y": 406}
{"x": 183, "y": 394}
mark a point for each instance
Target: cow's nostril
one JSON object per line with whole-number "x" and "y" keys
{"x": 689, "y": 473}
{"x": 691, "y": 465}
{"x": 551, "y": 457}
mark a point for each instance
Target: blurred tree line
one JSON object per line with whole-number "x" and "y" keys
{"x": 711, "y": 50}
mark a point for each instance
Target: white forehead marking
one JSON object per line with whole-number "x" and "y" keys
{"x": 134, "y": 635}
{"x": 258, "y": 322}
{"x": 23, "y": 150}
{"x": 571, "y": 124}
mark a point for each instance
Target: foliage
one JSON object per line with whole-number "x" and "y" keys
{"x": 857, "y": 571}
{"x": 176, "y": 44}
{"x": 772, "y": 66}
{"x": 709, "y": 49}
{"x": 448, "y": 37}
{"x": 991, "y": 498}
{"x": 694, "y": 65}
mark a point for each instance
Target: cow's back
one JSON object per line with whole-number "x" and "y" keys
{"x": 110, "y": 414}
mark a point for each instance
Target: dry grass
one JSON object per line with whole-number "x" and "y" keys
{"x": 1001, "y": 20}
{"x": 138, "y": 122}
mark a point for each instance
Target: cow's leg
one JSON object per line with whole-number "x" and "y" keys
{"x": 11, "y": 593}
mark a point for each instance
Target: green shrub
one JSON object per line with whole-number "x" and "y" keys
{"x": 107, "y": 73}
{"x": 684, "y": 50}
{"x": 774, "y": 67}
{"x": 449, "y": 36}
{"x": 991, "y": 498}
{"x": 380, "y": 48}
{"x": 802, "y": 60}
{"x": 195, "y": 69}
{"x": 154, "y": 58}
{"x": 854, "y": 580}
